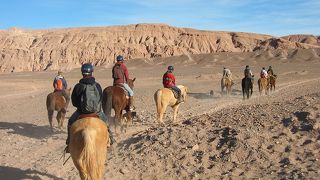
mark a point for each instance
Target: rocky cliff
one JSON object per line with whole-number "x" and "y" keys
{"x": 38, "y": 50}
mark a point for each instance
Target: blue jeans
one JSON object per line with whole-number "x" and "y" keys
{"x": 127, "y": 87}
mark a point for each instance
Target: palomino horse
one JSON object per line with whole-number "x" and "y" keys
{"x": 263, "y": 85}
{"x": 164, "y": 98}
{"x": 272, "y": 82}
{"x": 114, "y": 97}
{"x": 88, "y": 147}
{"x": 56, "y": 102}
{"x": 247, "y": 85}
{"x": 226, "y": 83}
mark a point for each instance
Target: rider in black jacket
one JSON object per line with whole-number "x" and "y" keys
{"x": 77, "y": 93}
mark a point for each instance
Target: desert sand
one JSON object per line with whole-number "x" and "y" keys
{"x": 270, "y": 136}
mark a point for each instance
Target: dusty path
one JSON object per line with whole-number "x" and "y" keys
{"x": 30, "y": 151}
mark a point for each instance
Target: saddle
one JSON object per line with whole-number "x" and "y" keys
{"x": 175, "y": 93}
{"x": 88, "y": 115}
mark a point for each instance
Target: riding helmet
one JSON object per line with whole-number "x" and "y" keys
{"x": 87, "y": 69}
{"x": 119, "y": 58}
{"x": 170, "y": 68}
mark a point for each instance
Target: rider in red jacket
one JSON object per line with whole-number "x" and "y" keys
{"x": 169, "y": 81}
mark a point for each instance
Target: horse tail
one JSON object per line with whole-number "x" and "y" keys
{"x": 88, "y": 160}
{"x": 157, "y": 99}
{"x": 107, "y": 103}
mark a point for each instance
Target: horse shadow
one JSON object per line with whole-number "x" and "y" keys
{"x": 203, "y": 95}
{"x": 13, "y": 173}
{"x": 28, "y": 130}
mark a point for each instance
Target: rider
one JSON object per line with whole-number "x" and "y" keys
{"x": 120, "y": 77}
{"x": 60, "y": 86}
{"x": 169, "y": 81}
{"x": 270, "y": 71}
{"x": 263, "y": 73}
{"x": 248, "y": 72}
{"x": 227, "y": 73}
{"x": 79, "y": 92}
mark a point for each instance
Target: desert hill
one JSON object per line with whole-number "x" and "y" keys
{"x": 309, "y": 39}
{"x": 38, "y": 50}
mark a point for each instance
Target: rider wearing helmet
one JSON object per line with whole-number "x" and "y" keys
{"x": 169, "y": 81}
{"x": 60, "y": 86}
{"x": 270, "y": 71}
{"x": 263, "y": 73}
{"x": 227, "y": 73}
{"x": 120, "y": 77}
{"x": 77, "y": 98}
{"x": 248, "y": 72}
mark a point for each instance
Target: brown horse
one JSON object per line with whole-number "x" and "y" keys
{"x": 263, "y": 85}
{"x": 164, "y": 98}
{"x": 272, "y": 82}
{"x": 114, "y": 97}
{"x": 226, "y": 83}
{"x": 88, "y": 147}
{"x": 56, "y": 102}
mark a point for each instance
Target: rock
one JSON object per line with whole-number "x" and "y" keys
{"x": 195, "y": 147}
{"x": 124, "y": 171}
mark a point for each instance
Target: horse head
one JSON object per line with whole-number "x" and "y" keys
{"x": 130, "y": 82}
{"x": 184, "y": 92}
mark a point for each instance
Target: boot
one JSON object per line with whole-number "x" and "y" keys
{"x": 131, "y": 106}
{"x": 180, "y": 99}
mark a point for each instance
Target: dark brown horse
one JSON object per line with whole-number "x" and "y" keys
{"x": 56, "y": 102}
{"x": 272, "y": 82}
{"x": 114, "y": 97}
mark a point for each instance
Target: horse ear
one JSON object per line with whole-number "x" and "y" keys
{"x": 133, "y": 79}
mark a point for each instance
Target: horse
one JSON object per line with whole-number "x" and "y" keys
{"x": 88, "y": 147}
{"x": 114, "y": 97}
{"x": 247, "y": 85}
{"x": 164, "y": 98}
{"x": 56, "y": 102}
{"x": 226, "y": 83}
{"x": 272, "y": 82}
{"x": 263, "y": 85}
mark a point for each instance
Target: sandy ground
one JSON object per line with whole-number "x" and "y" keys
{"x": 273, "y": 136}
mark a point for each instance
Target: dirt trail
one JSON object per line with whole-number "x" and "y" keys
{"x": 215, "y": 136}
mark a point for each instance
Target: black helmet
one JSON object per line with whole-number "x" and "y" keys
{"x": 270, "y": 67}
{"x": 263, "y": 68}
{"x": 170, "y": 68}
{"x": 119, "y": 58}
{"x": 247, "y": 66}
{"x": 87, "y": 69}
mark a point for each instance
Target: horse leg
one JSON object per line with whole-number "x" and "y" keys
{"x": 162, "y": 111}
{"x": 50, "y": 116}
{"x": 58, "y": 117}
{"x": 117, "y": 119}
{"x": 175, "y": 112}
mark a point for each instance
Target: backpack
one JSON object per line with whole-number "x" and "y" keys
{"x": 90, "y": 99}
{"x": 59, "y": 84}
{"x": 117, "y": 72}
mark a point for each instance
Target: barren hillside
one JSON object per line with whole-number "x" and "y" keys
{"x": 38, "y": 50}
{"x": 309, "y": 39}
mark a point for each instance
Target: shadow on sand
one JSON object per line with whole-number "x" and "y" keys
{"x": 28, "y": 130}
{"x": 13, "y": 173}
{"x": 202, "y": 95}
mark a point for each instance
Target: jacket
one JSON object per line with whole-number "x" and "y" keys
{"x": 79, "y": 89}
{"x": 124, "y": 78}
{"x": 168, "y": 80}
{"x": 64, "y": 82}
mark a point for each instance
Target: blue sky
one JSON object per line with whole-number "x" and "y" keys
{"x": 278, "y": 17}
